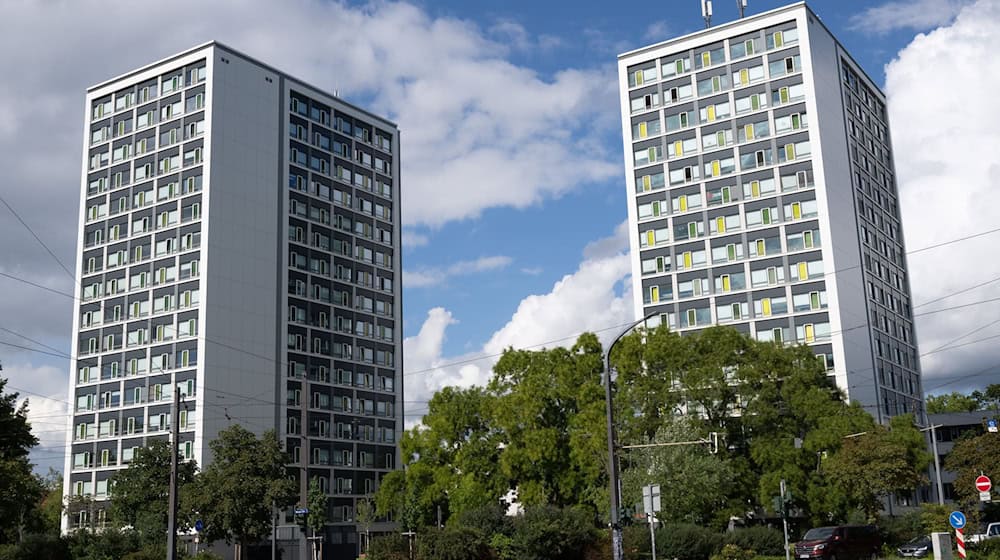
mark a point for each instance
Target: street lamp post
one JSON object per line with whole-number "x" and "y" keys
{"x": 617, "y": 550}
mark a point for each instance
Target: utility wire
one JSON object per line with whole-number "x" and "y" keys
{"x": 38, "y": 239}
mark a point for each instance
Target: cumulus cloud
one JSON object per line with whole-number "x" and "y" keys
{"x": 915, "y": 15}
{"x": 413, "y": 239}
{"x": 596, "y": 298}
{"x": 943, "y": 117}
{"x": 429, "y": 276}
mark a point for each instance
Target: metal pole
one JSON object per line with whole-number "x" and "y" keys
{"x": 937, "y": 465}
{"x": 274, "y": 531}
{"x": 172, "y": 500}
{"x": 652, "y": 536}
{"x": 617, "y": 549}
{"x": 784, "y": 520}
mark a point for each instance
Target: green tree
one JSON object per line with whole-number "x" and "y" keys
{"x": 549, "y": 409}
{"x": 141, "y": 491}
{"x": 774, "y": 407}
{"x": 19, "y": 497}
{"x": 875, "y": 464}
{"x": 951, "y": 402}
{"x": 21, "y": 489}
{"x": 365, "y": 514}
{"x": 692, "y": 480}
{"x": 988, "y": 398}
{"x": 233, "y": 495}
{"x": 971, "y": 456}
{"x": 51, "y": 505}
{"x": 316, "y": 518}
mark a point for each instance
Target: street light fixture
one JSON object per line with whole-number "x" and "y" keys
{"x": 617, "y": 550}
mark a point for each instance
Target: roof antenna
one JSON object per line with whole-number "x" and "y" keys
{"x": 706, "y": 12}
{"x": 742, "y": 5}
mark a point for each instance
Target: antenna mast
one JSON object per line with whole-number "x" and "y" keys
{"x": 742, "y": 5}
{"x": 706, "y": 12}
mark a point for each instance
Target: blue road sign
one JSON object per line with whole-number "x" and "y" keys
{"x": 199, "y": 525}
{"x": 957, "y": 519}
{"x": 991, "y": 425}
{"x": 301, "y": 511}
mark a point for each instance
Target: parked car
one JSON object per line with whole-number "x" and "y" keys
{"x": 992, "y": 532}
{"x": 843, "y": 542}
{"x": 916, "y": 548}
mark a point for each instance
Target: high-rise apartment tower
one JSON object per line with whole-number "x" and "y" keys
{"x": 762, "y": 194}
{"x": 239, "y": 239}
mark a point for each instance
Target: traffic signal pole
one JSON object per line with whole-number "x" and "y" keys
{"x": 175, "y": 431}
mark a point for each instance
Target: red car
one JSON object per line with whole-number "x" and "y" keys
{"x": 843, "y": 542}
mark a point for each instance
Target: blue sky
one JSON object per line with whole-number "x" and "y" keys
{"x": 512, "y": 159}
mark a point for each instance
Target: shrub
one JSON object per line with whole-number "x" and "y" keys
{"x": 733, "y": 552}
{"x": 206, "y": 555}
{"x": 988, "y": 549}
{"x": 902, "y": 529}
{"x": 36, "y": 547}
{"x": 686, "y": 542}
{"x": 762, "y": 540}
{"x": 636, "y": 541}
{"x": 487, "y": 520}
{"x": 389, "y": 547}
{"x": 551, "y": 533}
{"x": 8, "y": 552}
{"x": 453, "y": 543}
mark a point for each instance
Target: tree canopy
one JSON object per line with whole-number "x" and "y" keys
{"x": 985, "y": 399}
{"x": 538, "y": 428}
{"x": 234, "y": 494}
{"x": 139, "y": 499}
{"x": 22, "y": 489}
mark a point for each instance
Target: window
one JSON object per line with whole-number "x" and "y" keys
{"x": 648, "y": 183}
{"x": 713, "y": 84}
{"x": 679, "y": 148}
{"x": 641, "y": 77}
{"x": 788, "y": 94}
{"x": 648, "y": 155}
{"x": 753, "y": 102}
{"x": 675, "y": 67}
{"x": 779, "y": 39}
{"x": 653, "y": 237}
{"x": 717, "y": 139}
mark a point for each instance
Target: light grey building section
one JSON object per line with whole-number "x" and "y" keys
{"x": 762, "y": 195}
{"x": 239, "y": 240}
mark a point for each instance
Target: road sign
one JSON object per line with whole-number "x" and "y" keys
{"x": 960, "y": 540}
{"x": 991, "y": 425}
{"x": 985, "y": 497}
{"x": 983, "y": 483}
{"x": 301, "y": 511}
{"x": 651, "y": 499}
{"x": 199, "y": 525}
{"x": 957, "y": 519}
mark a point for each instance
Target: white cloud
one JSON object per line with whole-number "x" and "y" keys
{"x": 941, "y": 98}
{"x": 596, "y": 298}
{"x": 429, "y": 276}
{"x": 532, "y": 270}
{"x": 47, "y": 407}
{"x": 413, "y": 239}
{"x": 657, "y": 31}
{"x": 916, "y": 15}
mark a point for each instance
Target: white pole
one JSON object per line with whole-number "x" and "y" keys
{"x": 652, "y": 536}
{"x": 784, "y": 520}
